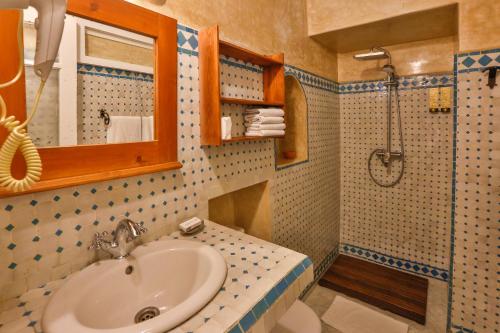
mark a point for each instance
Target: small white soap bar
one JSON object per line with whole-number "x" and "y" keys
{"x": 190, "y": 224}
{"x": 226, "y": 125}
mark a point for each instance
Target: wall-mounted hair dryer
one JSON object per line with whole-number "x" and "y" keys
{"x": 49, "y": 25}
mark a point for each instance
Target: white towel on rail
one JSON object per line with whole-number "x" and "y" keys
{"x": 258, "y": 127}
{"x": 265, "y": 133}
{"x": 124, "y": 129}
{"x": 148, "y": 129}
{"x": 273, "y": 112}
{"x": 264, "y": 120}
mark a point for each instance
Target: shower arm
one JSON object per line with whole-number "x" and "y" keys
{"x": 387, "y": 53}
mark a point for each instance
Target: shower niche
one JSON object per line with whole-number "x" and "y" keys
{"x": 293, "y": 148}
{"x": 247, "y": 209}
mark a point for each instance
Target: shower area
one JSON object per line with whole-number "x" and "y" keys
{"x": 391, "y": 133}
{"x": 396, "y": 157}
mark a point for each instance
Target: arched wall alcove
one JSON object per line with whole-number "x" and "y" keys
{"x": 293, "y": 148}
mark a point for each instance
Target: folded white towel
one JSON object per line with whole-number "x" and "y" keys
{"x": 264, "y": 120}
{"x": 266, "y": 112}
{"x": 265, "y": 133}
{"x": 124, "y": 129}
{"x": 258, "y": 127}
{"x": 148, "y": 129}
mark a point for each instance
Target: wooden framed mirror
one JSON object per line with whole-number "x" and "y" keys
{"x": 74, "y": 133}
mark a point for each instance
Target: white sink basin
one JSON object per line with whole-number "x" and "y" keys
{"x": 175, "y": 277}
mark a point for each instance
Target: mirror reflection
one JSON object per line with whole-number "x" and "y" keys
{"x": 101, "y": 90}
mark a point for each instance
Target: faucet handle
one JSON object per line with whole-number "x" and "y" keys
{"x": 137, "y": 230}
{"x": 140, "y": 228}
{"x": 98, "y": 241}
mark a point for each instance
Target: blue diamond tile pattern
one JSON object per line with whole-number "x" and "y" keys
{"x": 468, "y": 62}
{"x": 405, "y": 83}
{"x": 398, "y": 263}
{"x": 476, "y": 61}
{"x": 485, "y": 60}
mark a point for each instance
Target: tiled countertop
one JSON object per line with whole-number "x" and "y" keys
{"x": 263, "y": 281}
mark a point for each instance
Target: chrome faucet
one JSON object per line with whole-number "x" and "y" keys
{"x": 118, "y": 244}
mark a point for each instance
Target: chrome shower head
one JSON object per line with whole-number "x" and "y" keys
{"x": 389, "y": 69}
{"x": 374, "y": 54}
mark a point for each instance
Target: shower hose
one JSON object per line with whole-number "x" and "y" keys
{"x": 18, "y": 138}
{"x": 379, "y": 150}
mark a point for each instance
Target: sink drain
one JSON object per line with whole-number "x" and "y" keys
{"x": 147, "y": 313}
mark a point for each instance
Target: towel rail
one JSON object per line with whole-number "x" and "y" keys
{"x": 103, "y": 114}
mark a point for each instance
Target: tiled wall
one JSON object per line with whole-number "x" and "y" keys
{"x": 476, "y": 195}
{"x": 406, "y": 226}
{"x": 307, "y": 206}
{"x": 44, "y": 236}
{"x": 119, "y": 92}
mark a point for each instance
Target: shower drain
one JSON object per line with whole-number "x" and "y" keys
{"x": 147, "y": 313}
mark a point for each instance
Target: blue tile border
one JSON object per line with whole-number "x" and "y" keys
{"x": 94, "y": 70}
{"x": 421, "y": 81}
{"x": 477, "y": 60}
{"x": 395, "y": 262}
{"x": 188, "y": 52}
{"x": 251, "y": 317}
{"x": 320, "y": 269}
{"x": 235, "y": 329}
{"x": 326, "y": 263}
{"x": 310, "y": 79}
{"x": 453, "y": 192}
{"x": 240, "y": 64}
{"x": 186, "y": 29}
{"x": 461, "y": 329}
{"x": 187, "y": 40}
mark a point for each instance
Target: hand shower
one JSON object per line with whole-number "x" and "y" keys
{"x": 386, "y": 155}
{"x": 49, "y": 25}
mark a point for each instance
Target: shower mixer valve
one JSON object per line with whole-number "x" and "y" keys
{"x": 386, "y": 156}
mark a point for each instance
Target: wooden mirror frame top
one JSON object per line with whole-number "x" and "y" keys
{"x": 76, "y": 165}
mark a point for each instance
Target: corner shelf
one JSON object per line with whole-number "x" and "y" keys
{"x": 211, "y": 47}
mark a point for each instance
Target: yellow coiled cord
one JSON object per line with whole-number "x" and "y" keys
{"x": 18, "y": 138}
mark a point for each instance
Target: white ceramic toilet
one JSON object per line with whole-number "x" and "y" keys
{"x": 298, "y": 319}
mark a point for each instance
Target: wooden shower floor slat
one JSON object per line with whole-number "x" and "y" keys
{"x": 389, "y": 289}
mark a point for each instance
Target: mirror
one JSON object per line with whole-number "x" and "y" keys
{"x": 139, "y": 44}
{"x": 104, "y": 79}
{"x": 293, "y": 148}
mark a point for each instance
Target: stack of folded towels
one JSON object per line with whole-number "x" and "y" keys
{"x": 264, "y": 122}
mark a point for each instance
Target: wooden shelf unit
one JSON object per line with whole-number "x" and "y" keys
{"x": 251, "y": 138}
{"x": 210, "y": 49}
{"x": 228, "y": 100}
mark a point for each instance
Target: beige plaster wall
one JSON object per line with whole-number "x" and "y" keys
{"x": 424, "y": 57}
{"x": 478, "y": 19}
{"x": 248, "y": 208}
{"x": 261, "y": 25}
